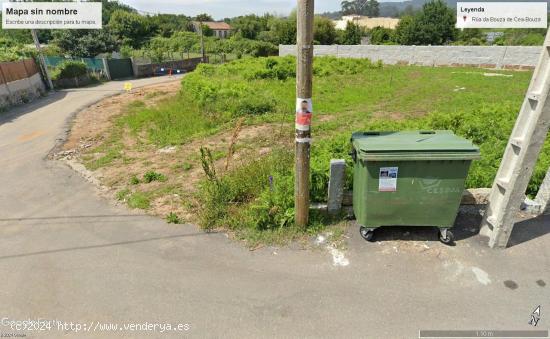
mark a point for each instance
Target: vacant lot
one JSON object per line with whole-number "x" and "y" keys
{"x": 153, "y": 151}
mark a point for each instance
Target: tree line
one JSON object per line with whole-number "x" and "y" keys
{"x": 164, "y": 36}
{"x": 435, "y": 23}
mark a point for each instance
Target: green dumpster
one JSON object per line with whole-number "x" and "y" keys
{"x": 410, "y": 178}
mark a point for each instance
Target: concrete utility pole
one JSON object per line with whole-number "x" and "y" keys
{"x": 304, "y": 108}
{"x": 42, "y": 60}
{"x": 520, "y": 157}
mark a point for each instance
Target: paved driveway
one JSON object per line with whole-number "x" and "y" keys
{"x": 69, "y": 255}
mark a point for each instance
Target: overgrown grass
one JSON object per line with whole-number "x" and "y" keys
{"x": 212, "y": 96}
{"x": 173, "y": 122}
{"x": 256, "y": 199}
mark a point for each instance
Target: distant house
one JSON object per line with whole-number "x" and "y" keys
{"x": 366, "y": 22}
{"x": 221, "y": 29}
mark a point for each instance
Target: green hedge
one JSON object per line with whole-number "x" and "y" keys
{"x": 70, "y": 70}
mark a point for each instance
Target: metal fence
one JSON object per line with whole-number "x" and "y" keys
{"x": 120, "y": 68}
{"x": 17, "y": 70}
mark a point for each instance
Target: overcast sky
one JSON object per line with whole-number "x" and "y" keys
{"x": 220, "y": 9}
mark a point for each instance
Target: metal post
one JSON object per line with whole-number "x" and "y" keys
{"x": 304, "y": 108}
{"x": 42, "y": 60}
{"x": 203, "y": 57}
{"x": 107, "y": 70}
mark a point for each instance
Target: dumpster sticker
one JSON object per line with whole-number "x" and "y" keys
{"x": 388, "y": 179}
{"x": 304, "y": 112}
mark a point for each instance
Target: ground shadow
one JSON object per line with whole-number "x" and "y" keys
{"x": 14, "y": 112}
{"x": 530, "y": 229}
{"x": 466, "y": 226}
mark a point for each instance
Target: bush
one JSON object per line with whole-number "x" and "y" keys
{"x": 151, "y": 176}
{"x": 11, "y": 50}
{"x": 69, "y": 70}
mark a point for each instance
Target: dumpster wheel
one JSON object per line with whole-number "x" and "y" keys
{"x": 367, "y": 233}
{"x": 446, "y": 236}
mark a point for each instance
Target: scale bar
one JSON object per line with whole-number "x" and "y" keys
{"x": 483, "y": 334}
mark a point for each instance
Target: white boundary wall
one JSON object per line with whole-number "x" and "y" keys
{"x": 498, "y": 57}
{"x": 21, "y": 91}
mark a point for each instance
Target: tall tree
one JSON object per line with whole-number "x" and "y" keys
{"x": 250, "y": 26}
{"x": 350, "y": 7}
{"x": 324, "y": 31}
{"x": 167, "y": 24}
{"x": 283, "y": 30}
{"x": 372, "y": 9}
{"x": 131, "y": 29}
{"x": 85, "y": 43}
{"x": 405, "y": 32}
{"x": 352, "y": 35}
{"x": 434, "y": 25}
{"x": 203, "y": 17}
{"x": 159, "y": 48}
{"x": 369, "y": 8}
{"x": 183, "y": 42}
{"x": 108, "y": 7}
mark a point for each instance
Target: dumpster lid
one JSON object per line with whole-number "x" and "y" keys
{"x": 419, "y": 142}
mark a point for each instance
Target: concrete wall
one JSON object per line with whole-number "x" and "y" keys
{"x": 499, "y": 57}
{"x": 21, "y": 91}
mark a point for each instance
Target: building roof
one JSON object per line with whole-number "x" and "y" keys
{"x": 218, "y": 26}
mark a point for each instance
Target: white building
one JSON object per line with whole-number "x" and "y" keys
{"x": 366, "y": 22}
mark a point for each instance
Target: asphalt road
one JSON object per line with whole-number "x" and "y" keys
{"x": 67, "y": 254}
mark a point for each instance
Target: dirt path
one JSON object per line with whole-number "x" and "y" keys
{"x": 180, "y": 164}
{"x": 90, "y": 125}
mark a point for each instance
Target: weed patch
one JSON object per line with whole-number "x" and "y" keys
{"x": 139, "y": 200}
{"x": 172, "y": 218}
{"x": 151, "y": 176}
{"x": 134, "y": 180}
